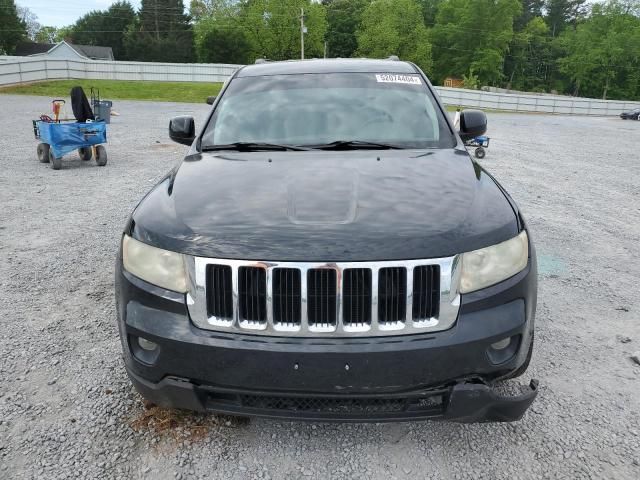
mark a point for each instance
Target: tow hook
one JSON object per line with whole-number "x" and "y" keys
{"x": 478, "y": 402}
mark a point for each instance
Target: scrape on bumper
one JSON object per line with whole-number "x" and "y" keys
{"x": 464, "y": 402}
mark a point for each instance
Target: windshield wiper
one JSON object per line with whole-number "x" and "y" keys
{"x": 252, "y": 147}
{"x": 356, "y": 145}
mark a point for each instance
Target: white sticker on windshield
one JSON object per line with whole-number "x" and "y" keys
{"x": 395, "y": 78}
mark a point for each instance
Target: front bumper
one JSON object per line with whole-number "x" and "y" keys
{"x": 442, "y": 375}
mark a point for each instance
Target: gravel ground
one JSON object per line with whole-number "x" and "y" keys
{"x": 67, "y": 409}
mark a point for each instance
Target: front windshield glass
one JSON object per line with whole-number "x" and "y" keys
{"x": 317, "y": 109}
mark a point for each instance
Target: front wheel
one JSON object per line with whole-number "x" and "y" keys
{"x": 101, "y": 156}
{"x": 85, "y": 153}
{"x": 43, "y": 152}
{"x": 56, "y": 163}
{"x": 480, "y": 153}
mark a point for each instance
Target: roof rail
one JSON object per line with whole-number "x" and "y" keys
{"x": 393, "y": 58}
{"x": 260, "y": 60}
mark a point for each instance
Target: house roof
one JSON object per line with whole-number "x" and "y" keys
{"x": 93, "y": 52}
{"x": 24, "y": 49}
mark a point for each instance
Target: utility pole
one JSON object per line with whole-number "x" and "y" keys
{"x": 325, "y": 49}
{"x": 302, "y": 29}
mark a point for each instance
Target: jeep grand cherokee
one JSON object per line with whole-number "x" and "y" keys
{"x": 328, "y": 250}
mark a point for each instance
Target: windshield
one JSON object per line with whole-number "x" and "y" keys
{"x": 318, "y": 109}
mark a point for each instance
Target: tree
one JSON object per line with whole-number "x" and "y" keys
{"x": 343, "y": 20}
{"x": 273, "y": 28}
{"x": 530, "y": 58}
{"x": 429, "y": 11}
{"x": 530, "y": 10}
{"x": 473, "y": 35}
{"x": 47, "y": 35}
{"x": 395, "y": 27}
{"x": 13, "y": 28}
{"x": 602, "y": 52}
{"x": 105, "y": 28}
{"x": 30, "y": 21}
{"x": 561, "y": 13}
{"x": 162, "y": 33}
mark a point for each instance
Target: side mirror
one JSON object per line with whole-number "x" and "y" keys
{"x": 473, "y": 123}
{"x": 182, "y": 129}
{"x": 211, "y": 99}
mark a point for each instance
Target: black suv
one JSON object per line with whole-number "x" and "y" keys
{"x": 328, "y": 250}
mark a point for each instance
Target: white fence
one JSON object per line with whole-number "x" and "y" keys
{"x": 17, "y": 70}
{"x": 533, "y": 103}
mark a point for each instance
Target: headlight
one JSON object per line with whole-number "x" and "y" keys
{"x": 154, "y": 265}
{"x": 488, "y": 266}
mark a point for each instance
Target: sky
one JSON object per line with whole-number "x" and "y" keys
{"x": 59, "y": 13}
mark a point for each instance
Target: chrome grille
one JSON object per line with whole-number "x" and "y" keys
{"x": 392, "y": 295}
{"x": 286, "y": 296}
{"x": 317, "y": 299}
{"x": 356, "y": 297}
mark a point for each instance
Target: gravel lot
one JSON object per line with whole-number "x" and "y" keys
{"x": 67, "y": 409}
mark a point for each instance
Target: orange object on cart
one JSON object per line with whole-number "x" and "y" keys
{"x": 56, "y": 106}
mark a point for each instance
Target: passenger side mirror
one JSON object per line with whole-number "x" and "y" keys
{"x": 211, "y": 99}
{"x": 182, "y": 129}
{"x": 473, "y": 123}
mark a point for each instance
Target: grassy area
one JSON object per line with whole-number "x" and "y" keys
{"x": 192, "y": 92}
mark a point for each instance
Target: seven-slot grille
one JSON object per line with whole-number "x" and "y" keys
{"x": 350, "y": 299}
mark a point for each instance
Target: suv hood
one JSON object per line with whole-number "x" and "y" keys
{"x": 326, "y": 206}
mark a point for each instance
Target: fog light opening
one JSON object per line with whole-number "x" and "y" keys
{"x": 503, "y": 350}
{"x": 147, "y": 345}
{"x": 502, "y": 344}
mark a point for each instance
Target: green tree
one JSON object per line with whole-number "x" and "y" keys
{"x": 602, "y": 56}
{"x": 530, "y": 57}
{"x": 272, "y": 28}
{"x": 562, "y": 13}
{"x": 105, "y": 28}
{"x": 47, "y": 35}
{"x": 12, "y": 30}
{"x": 218, "y": 32}
{"x": 473, "y": 34}
{"x": 395, "y": 27}
{"x": 429, "y": 11}
{"x": 162, "y": 33}
{"x": 343, "y": 20}
{"x": 530, "y": 10}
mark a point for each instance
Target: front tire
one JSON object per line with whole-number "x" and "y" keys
{"x": 56, "y": 163}
{"x": 85, "y": 153}
{"x": 480, "y": 153}
{"x": 43, "y": 152}
{"x": 101, "y": 156}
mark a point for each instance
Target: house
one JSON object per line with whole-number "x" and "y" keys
{"x": 453, "y": 82}
{"x": 64, "y": 50}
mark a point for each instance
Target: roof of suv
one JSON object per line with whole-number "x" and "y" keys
{"x": 338, "y": 65}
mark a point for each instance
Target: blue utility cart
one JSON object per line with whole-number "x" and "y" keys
{"x": 480, "y": 143}
{"x": 60, "y": 138}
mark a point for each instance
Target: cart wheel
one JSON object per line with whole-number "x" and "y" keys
{"x": 56, "y": 163}
{"x": 480, "y": 153}
{"x": 43, "y": 152}
{"x": 85, "y": 153}
{"x": 101, "y": 156}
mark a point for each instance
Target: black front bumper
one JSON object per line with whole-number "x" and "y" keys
{"x": 443, "y": 375}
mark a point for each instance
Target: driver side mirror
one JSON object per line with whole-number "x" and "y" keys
{"x": 182, "y": 129}
{"x": 473, "y": 123}
{"x": 211, "y": 99}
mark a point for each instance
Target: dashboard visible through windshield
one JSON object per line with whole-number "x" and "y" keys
{"x": 313, "y": 110}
